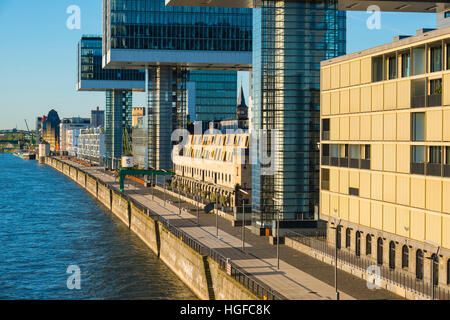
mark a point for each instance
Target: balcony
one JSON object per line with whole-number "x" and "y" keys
{"x": 446, "y": 170}
{"x": 325, "y": 160}
{"x": 417, "y": 168}
{"x": 365, "y": 164}
{"x": 334, "y": 161}
{"x": 435, "y": 100}
{"x": 354, "y": 163}
{"x": 418, "y": 102}
{"x": 434, "y": 169}
{"x": 343, "y": 162}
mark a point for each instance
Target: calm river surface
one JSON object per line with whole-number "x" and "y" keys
{"x": 48, "y": 223}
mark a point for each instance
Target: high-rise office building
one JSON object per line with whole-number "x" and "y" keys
{"x": 385, "y": 169}
{"x": 167, "y": 41}
{"x": 290, "y": 38}
{"x": 97, "y": 118}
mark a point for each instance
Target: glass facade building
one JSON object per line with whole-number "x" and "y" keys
{"x": 151, "y": 25}
{"x": 215, "y": 95}
{"x": 289, "y": 41}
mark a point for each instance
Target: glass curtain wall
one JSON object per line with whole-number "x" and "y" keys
{"x": 289, "y": 41}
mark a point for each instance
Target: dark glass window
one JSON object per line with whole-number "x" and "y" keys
{"x": 448, "y": 271}
{"x": 435, "y": 86}
{"x": 405, "y": 256}
{"x": 418, "y": 126}
{"x": 392, "y": 255}
{"x": 392, "y": 64}
{"x": 358, "y": 244}
{"x": 405, "y": 64}
{"x": 435, "y": 154}
{"x": 436, "y": 59}
{"x": 347, "y": 237}
{"x": 368, "y": 244}
{"x": 380, "y": 251}
{"x": 377, "y": 69}
{"x": 338, "y": 237}
{"x": 435, "y": 261}
{"x": 418, "y": 154}
{"x": 419, "y": 264}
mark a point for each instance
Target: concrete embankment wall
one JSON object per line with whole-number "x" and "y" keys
{"x": 200, "y": 273}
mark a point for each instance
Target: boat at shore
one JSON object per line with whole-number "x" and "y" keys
{"x": 25, "y": 156}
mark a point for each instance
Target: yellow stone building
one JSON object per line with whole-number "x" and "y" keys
{"x": 385, "y": 153}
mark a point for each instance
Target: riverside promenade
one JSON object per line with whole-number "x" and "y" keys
{"x": 300, "y": 277}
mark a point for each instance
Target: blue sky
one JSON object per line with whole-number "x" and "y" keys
{"x": 38, "y": 55}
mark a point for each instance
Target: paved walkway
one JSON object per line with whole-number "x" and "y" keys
{"x": 300, "y": 276}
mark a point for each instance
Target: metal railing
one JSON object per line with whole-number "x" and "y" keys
{"x": 387, "y": 274}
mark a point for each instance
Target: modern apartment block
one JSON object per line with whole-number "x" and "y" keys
{"x": 68, "y": 124}
{"x": 385, "y": 153}
{"x": 91, "y": 145}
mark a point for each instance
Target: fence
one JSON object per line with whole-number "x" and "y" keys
{"x": 387, "y": 274}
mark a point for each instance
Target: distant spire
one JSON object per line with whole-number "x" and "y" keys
{"x": 241, "y": 100}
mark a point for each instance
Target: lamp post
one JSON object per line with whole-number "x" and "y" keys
{"x": 164, "y": 187}
{"x": 337, "y": 222}
{"x": 278, "y": 234}
{"x": 243, "y": 219}
{"x": 434, "y": 244}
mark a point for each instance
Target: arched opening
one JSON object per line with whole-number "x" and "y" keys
{"x": 347, "y": 237}
{"x": 405, "y": 256}
{"x": 358, "y": 244}
{"x": 338, "y": 237}
{"x": 368, "y": 244}
{"x": 380, "y": 251}
{"x": 448, "y": 271}
{"x": 419, "y": 264}
{"x": 392, "y": 255}
{"x": 435, "y": 260}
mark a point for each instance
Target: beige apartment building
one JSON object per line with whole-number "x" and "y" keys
{"x": 385, "y": 153}
{"x": 215, "y": 163}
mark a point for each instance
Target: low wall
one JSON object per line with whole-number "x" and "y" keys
{"x": 200, "y": 273}
{"x": 392, "y": 287}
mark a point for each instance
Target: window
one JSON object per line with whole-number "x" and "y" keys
{"x": 435, "y": 260}
{"x": 447, "y": 14}
{"x": 368, "y": 244}
{"x": 405, "y": 256}
{"x": 405, "y": 64}
{"x": 435, "y": 59}
{"x": 392, "y": 65}
{"x": 418, "y": 154}
{"x": 447, "y": 155}
{"x": 435, "y": 155}
{"x": 418, "y": 126}
{"x": 358, "y": 244}
{"x": 418, "y": 60}
{"x": 392, "y": 255}
{"x": 380, "y": 251}
{"x": 419, "y": 264}
{"x": 347, "y": 237}
{"x": 377, "y": 69}
{"x": 448, "y": 271}
{"x": 355, "y": 151}
{"x": 435, "y": 86}
{"x": 335, "y": 150}
{"x": 367, "y": 152}
{"x": 325, "y": 129}
{"x": 338, "y": 237}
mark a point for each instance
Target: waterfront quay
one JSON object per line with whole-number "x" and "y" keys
{"x": 213, "y": 267}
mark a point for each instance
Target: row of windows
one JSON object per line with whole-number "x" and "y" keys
{"x": 224, "y": 177}
{"x": 419, "y": 256}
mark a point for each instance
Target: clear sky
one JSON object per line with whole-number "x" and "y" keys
{"x": 38, "y": 52}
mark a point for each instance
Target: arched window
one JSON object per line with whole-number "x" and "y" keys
{"x": 380, "y": 251}
{"x": 347, "y": 237}
{"x": 368, "y": 244}
{"x": 358, "y": 244}
{"x": 435, "y": 260}
{"x": 419, "y": 264}
{"x": 448, "y": 271}
{"x": 338, "y": 237}
{"x": 392, "y": 255}
{"x": 405, "y": 256}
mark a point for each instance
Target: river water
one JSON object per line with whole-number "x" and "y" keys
{"x": 48, "y": 223}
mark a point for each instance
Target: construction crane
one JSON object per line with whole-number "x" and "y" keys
{"x": 126, "y": 143}
{"x": 30, "y": 134}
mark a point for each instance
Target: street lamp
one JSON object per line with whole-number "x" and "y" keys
{"x": 337, "y": 222}
{"x": 434, "y": 244}
{"x": 217, "y": 210}
{"x": 243, "y": 219}
{"x": 278, "y": 234}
